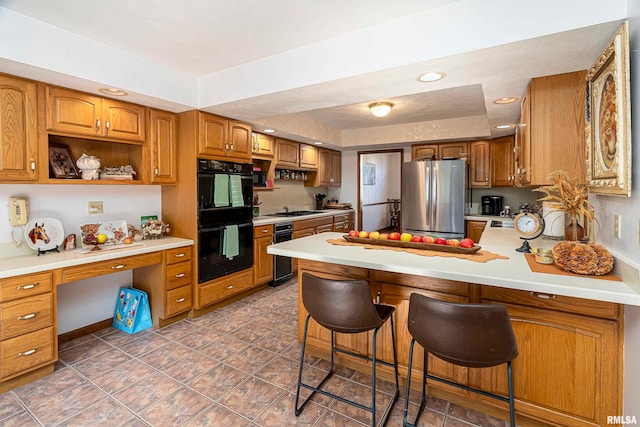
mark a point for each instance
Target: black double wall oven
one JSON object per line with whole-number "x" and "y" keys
{"x": 225, "y": 228}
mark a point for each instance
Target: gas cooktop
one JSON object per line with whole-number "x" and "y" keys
{"x": 295, "y": 213}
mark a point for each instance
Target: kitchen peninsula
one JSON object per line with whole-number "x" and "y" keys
{"x": 569, "y": 328}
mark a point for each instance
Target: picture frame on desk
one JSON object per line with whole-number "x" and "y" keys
{"x": 61, "y": 162}
{"x": 608, "y": 119}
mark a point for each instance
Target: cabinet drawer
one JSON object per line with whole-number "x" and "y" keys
{"x": 178, "y": 255}
{"x": 25, "y": 315}
{"x": 178, "y": 275}
{"x": 312, "y": 223}
{"x": 341, "y": 217}
{"x": 27, "y": 351}
{"x": 593, "y": 308}
{"x": 262, "y": 231}
{"x": 25, "y": 286}
{"x": 178, "y": 300}
{"x": 225, "y": 287}
{"x": 428, "y": 283}
{"x": 80, "y": 272}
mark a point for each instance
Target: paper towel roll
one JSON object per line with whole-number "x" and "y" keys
{"x": 553, "y": 220}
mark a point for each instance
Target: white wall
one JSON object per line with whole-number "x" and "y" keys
{"x": 88, "y": 301}
{"x": 386, "y": 186}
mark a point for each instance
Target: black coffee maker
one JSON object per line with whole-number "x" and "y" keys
{"x": 491, "y": 205}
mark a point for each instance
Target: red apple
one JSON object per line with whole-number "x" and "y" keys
{"x": 394, "y": 236}
{"x": 428, "y": 239}
{"x": 466, "y": 243}
{"x": 354, "y": 233}
{"x": 416, "y": 239}
{"x": 440, "y": 241}
{"x": 364, "y": 235}
{"x": 384, "y": 236}
{"x": 453, "y": 242}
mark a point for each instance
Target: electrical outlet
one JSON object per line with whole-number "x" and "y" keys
{"x": 95, "y": 208}
{"x": 617, "y": 232}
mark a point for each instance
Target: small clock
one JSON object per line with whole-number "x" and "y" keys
{"x": 530, "y": 226}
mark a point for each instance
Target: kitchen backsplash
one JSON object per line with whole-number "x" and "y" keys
{"x": 512, "y": 197}
{"x": 291, "y": 194}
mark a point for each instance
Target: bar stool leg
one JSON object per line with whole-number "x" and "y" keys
{"x": 512, "y": 413}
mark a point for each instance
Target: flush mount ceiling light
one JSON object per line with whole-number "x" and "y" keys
{"x": 269, "y": 131}
{"x": 112, "y": 91}
{"x": 318, "y": 143}
{"x": 431, "y": 76}
{"x": 506, "y": 100}
{"x": 504, "y": 126}
{"x": 380, "y": 109}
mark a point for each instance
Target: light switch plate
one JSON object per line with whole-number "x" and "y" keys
{"x": 95, "y": 208}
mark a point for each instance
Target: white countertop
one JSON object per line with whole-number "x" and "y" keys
{"x": 32, "y": 263}
{"x": 513, "y": 273}
{"x": 269, "y": 219}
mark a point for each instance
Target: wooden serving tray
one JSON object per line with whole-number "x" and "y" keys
{"x": 414, "y": 245}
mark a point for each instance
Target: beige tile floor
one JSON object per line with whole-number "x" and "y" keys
{"x": 236, "y": 366}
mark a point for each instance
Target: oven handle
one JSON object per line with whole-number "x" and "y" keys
{"x": 219, "y": 227}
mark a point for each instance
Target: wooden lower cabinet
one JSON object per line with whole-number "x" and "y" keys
{"x": 262, "y": 261}
{"x": 568, "y": 371}
{"x": 343, "y": 223}
{"x": 225, "y": 287}
{"x": 475, "y": 229}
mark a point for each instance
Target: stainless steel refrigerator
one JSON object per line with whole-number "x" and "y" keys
{"x": 433, "y": 197}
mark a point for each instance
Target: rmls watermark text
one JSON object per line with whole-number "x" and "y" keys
{"x": 622, "y": 419}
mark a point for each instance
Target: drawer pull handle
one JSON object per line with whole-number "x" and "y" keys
{"x": 28, "y": 316}
{"x": 229, "y": 287}
{"x": 118, "y": 267}
{"x": 179, "y": 255}
{"x": 27, "y": 287}
{"x": 28, "y": 352}
{"x": 179, "y": 275}
{"x": 265, "y": 231}
{"x": 543, "y": 296}
{"x": 180, "y": 299}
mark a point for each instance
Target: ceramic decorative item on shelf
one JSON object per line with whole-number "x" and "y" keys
{"x": 89, "y": 166}
{"x": 570, "y": 197}
{"x": 154, "y": 229}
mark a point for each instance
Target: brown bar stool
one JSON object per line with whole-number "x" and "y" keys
{"x": 471, "y": 335}
{"x": 345, "y": 306}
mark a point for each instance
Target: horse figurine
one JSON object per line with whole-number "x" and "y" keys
{"x": 38, "y": 233}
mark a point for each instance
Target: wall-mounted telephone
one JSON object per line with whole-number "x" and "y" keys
{"x": 18, "y": 211}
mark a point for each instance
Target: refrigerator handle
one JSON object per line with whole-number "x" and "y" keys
{"x": 434, "y": 197}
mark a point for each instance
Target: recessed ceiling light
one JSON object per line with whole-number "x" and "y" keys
{"x": 318, "y": 143}
{"x": 431, "y": 76}
{"x": 504, "y": 126}
{"x": 269, "y": 131}
{"x": 506, "y": 100}
{"x": 112, "y": 91}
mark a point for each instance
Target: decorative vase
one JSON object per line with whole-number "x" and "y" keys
{"x": 89, "y": 166}
{"x": 573, "y": 230}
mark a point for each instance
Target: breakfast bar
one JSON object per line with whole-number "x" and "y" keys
{"x": 569, "y": 328}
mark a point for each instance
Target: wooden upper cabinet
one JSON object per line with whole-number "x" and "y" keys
{"x": 479, "y": 164}
{"x": 262, "y": 145}
{"x": 18, "y": 130}
{"x": 308, "y": 156}
{"x": 453, "y": 150}
{"x": 502, "y": 169}
{"x": 557, "y": 126}
{"x": 287, "y": 153}
{"x": 425, "y": 151}
{"x": 221, "y": 137}
{"x": 163, "y": 146}
{"x": 80, "y": 113}
{"x": 329, "y": 168}
{"x": 448, "y": 150}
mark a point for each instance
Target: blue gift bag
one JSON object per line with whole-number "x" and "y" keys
{"x": 132, "y": 313}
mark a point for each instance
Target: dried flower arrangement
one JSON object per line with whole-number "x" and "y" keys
{"x": 568, "y": 196}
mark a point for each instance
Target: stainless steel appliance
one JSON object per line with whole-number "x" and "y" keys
{"x": 282, "y": 264}
{"x": 433, "y": 196}
{"x": 491, "y": 205}
{"x": 225, "y": 227}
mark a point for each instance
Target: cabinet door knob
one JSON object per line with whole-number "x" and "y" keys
{"x": 118, "y": 267}
{"x": 231, "y": 145}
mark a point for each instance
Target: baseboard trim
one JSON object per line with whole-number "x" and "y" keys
{"x": 89, "y": 329}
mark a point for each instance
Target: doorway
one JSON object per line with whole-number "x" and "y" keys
{"x": 379, "y": 190}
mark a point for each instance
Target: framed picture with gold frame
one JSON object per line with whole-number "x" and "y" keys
{"x": 61, "y": 162}
{"x": 608, "y": 119}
